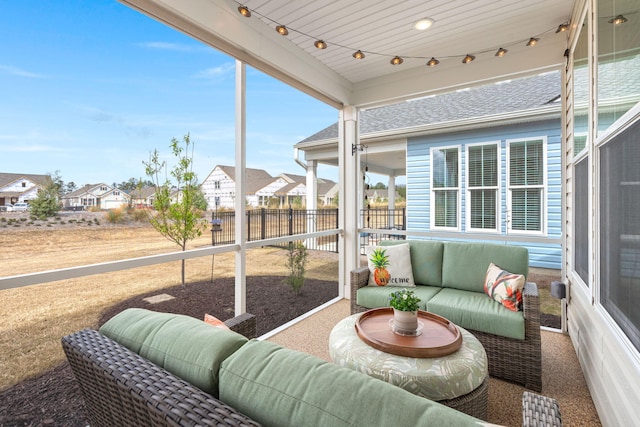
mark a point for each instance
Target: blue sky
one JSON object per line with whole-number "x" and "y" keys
{"x": 90, "y": 88}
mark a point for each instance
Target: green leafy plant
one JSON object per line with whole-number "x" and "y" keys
{"x": 47, "y": 201}
{"x": 177, "y": 216}
{"x": 296, "y": 262}
{"x": 404, "y": 300}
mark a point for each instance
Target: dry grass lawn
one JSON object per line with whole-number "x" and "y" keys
{"x": 34, "y": 318}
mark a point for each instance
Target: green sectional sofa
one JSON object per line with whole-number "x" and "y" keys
{"x": 449, "y": 278}
{"x": 147, "y": 368}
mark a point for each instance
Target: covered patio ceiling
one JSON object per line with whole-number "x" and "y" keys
{"x": 381, "y": 29}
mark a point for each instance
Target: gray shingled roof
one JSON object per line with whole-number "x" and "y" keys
{"x": 256, "y": 178}
{"x": 7, "y": 178}
{"x": 500, "y": 98}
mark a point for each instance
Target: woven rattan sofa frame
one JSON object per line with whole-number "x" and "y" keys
{"x": 121, "y": 388}
{"x": 519, "y": 361}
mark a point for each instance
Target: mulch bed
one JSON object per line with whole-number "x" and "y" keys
{"x": 53, "y": 398}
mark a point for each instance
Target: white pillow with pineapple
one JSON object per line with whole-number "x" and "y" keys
{"x": 390, "y": 266}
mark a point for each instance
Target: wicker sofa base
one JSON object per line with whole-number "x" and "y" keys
{"x": 514, "y": 360}
{"x": 474, "y": 403}
{"x": 121, "y": 388}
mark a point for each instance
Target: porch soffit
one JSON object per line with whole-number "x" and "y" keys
{"x": 384, "y": 26}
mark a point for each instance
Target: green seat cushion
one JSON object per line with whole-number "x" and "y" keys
{"x": 183, "y": 345}
{"x": 280, "y": 387}
{"x": 464, "y": 265}
{"x": 426, "y": 260}
{"x": 374, "y": 297}
{"x": 477, "y": 311}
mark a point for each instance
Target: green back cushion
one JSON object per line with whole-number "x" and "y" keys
{"x": 281, "y": 387}
{"x": 464, "y": 265}
{"x": 426, "y": 260}
{"x": 183, "y": 345}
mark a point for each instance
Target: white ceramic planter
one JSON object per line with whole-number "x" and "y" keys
{"x": 405, "y": 322}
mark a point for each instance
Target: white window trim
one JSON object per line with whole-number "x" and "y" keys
{"x": 432, "y": 213}
{"x": 544, "y": 186}
{"x": 497, "y": 188}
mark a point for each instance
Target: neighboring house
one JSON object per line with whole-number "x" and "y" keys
{"x": 482, "y": 164}
{"x": 100, "y": 196}
{"x": 219, "y": 187}
{"x": 327, "y": 191}
{"x": 261, "y": 188}
{"x": 15, "y": 187}
{"x": 378, "y": 195}
{"x": 142, "y": 197}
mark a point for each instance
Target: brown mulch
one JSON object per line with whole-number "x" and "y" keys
{"x": 53, "y": 398}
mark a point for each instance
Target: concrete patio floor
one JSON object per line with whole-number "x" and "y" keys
{"x": 562, "y": 376}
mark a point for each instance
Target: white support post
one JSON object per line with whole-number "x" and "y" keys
{"x": 311, "y": 202}
{"x": 391, "y": 197}
{"x": 240, "y": 205}
{"x": 348, "y": 201}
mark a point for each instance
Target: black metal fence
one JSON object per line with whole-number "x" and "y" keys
{"x": 385, "y": 219}
{"x": 270, "y": 223}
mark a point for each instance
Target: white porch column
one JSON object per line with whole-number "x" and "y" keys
{"x": 348, "y": 201}
{"x": 240, "y": 205}
{"x": 311, "y": 202}
{"x": 391, "y": 199}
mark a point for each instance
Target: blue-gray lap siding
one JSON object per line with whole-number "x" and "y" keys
{"x": 545, "y": 250}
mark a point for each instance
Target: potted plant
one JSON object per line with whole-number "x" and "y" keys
{"x": 405, "y": 312}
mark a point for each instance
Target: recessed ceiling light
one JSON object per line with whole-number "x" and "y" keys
{"x": 423, "y": 24}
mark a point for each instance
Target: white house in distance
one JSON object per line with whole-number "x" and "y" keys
{"x": 219, "y": 188}
{"x": 16, "y": 187}
{"x": 101, "y": 196}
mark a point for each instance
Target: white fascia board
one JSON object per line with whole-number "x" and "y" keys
{"x": 218, "y": 24}
{"x": 452, "y": 75}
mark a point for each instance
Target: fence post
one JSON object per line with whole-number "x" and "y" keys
{"x": 263, "y": 224}
{"x": 290, "y": 221}
{"x": 248, "y": 225}
{"x": 404, "y": 218}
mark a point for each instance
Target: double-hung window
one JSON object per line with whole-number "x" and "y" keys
{"x": 445, "y": 188}
{"x": 482, "y": 187}
{"x": 526, "y": 185}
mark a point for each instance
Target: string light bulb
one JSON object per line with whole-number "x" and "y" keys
{"x": 468, "y": 59}
{"x": 244, "y": 11}
{"x": 501, "y": 52}
{"x": 320, "y": 44}
{"x": 282, "y": 30}
{"x": 562, "y": 28}
{"x": 396, "y": 60}
{"x": 533, "y": 41}
{"x": 432, "y": 62}
{"x": 358, "y": 55}
{"x": 620, "y": 19}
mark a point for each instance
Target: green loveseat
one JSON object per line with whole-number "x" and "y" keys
{"x": 449, "y": 279}
{"x": 143, "y": 367}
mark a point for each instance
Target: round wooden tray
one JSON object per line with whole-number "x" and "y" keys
{"x": 439, "y": 336}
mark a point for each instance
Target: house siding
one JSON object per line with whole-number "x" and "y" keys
{"x": 545, "y": 249}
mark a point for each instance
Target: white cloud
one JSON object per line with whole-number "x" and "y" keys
{"x": 15, "y": 71}
{"x": 216, "y": 73}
